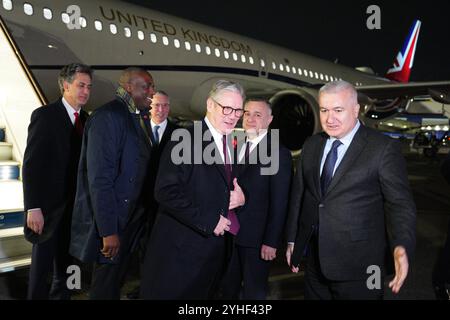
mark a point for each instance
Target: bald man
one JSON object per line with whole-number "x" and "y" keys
{"x": 110, "y": 204}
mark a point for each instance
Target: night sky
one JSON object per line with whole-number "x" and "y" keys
{"x": 332, "y": 30}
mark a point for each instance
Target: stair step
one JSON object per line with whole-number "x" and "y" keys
{"x": 9, "y": 170}
{"x": 11, "y": 220}
{"x": 11, "y": 195}
{"x": 15, "y": 251}
{"x": 5, "y": 151}
{"x": 13, "y": 263}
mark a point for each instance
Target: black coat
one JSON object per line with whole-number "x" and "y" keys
{"x": 183, "y": 255}
{"x": 50, "y": 167}
{"x": 369, "y": 196}
{"x": 113, "y": 169}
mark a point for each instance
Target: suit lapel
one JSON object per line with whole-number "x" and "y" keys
{"x": 219, "y": 165}
{"x": 356, "y": 147}
{"x": 318, "y": 154}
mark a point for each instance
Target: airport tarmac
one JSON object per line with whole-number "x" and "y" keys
{"x": 432, "y": 197}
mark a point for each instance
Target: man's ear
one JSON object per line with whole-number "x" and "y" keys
{"x": 66, "y": 86}
{"x": 209, "y": 105}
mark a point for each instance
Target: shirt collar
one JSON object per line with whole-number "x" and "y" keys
{"x": 216, "y": 134}
{"x": 70, "y": 110}
{"x": 258, "y": 139}
{"x": 162, "y": 125}
{"x": 348, "y": 138}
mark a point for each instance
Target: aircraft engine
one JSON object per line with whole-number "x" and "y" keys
{"x": 296, "y": 115}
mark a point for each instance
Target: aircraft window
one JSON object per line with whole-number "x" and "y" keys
{"x": 305, "y": 72}
{"x": 98, "y": 25}
{"x": 113, "y": 28}
{"x": 7, "y": 4}
{"x": 208, "y": 50}
{"x": 281, "y": 67}
{"x": 83, "y": 22}
{"x": 321, "y": 76}
{"x": 127, "y": 32}
{"x": 317, "y": 75}
{"x": 235, "y": 57}
{"x": 294, "y": 70}
{"x": 311, "y": 74}
{"x": 217, "y": 52}
{"x": 47, "y": 13}
{"x": 299, "y": 71}
{"x": 165, "y": 41}
{"x": 288, "y": 69}
{"x": 28, "y": 9}
{"x": 153, "y": 38}
{"x": 198, "y": 48}
{"x": 274, "y": 66}
{"x": 326, "y": 78}
{"x": 176, "y": 43}
{"x": 187, "y": 45}
{"x": 250, "y": 59}
{"x": 65, "y": 18}
{"x": 141, "y": 35}
{"x": 262, "y": 63}
{"x": 243, "y": 59}
{"x": 226, "y": 54}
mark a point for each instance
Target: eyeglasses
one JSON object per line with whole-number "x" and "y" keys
{"x": 229, "y": 110}
{"x": 162, "y": 105}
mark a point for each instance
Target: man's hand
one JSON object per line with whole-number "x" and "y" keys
{"x": 222, "y": 226}
{"x": 289, "y": 251}
{"x": 111, "y": 246}
{"x": 237, "y": 197}
{"x": 35, "y": 221}
{"x": 401, "y": 269}
{"x": 268, "y": 253}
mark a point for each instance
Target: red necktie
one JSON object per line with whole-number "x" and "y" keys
{"x": 234, "y": 226}
{"x": 78, "y": 124}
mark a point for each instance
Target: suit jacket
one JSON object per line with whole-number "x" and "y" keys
{"x": 154, "y": 164}
{"x": 369, "y": 197}
{"x": 50, "y": 167}
{"x": 263, "y": 217}
{"x": 183, "y": 255}
{"x": 113, "y": 169}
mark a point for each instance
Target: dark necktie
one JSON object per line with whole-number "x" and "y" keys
{"x": 234, "y": 227}
{"x": 78, "y": 125}
{"x": 247, "y": 152}
{"x": 156, "y": 134}
{"x": 328, "y": 167}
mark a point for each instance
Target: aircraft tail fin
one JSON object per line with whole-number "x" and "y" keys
{"x": 403, "y": 63}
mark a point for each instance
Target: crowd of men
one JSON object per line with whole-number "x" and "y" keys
{"x": 208, "y": 209}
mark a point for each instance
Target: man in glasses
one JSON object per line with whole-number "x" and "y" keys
{"x": 187, "y": 250}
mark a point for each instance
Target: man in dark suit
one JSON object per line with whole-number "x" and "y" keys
{"x": 350, "y": 192}
{"x": 160, "y": 130}
{"x": 50, "y": 178}
{"x": 110, "y": 204}
{"x": 263, "y": 217}
{"x": 186, "y": 252}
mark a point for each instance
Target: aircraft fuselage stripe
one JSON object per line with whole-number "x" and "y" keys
{"x": 206, "y": 69}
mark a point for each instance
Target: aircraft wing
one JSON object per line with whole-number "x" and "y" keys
{"x": 438, "y": 90}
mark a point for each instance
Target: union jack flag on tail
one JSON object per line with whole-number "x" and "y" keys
{"x": 403, "y": 63}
